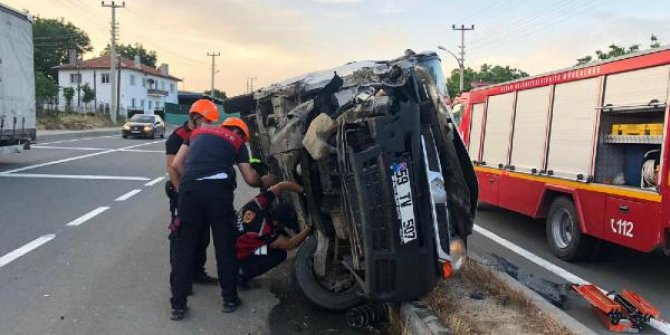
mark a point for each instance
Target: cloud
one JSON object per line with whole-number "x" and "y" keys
{"x": 396, "y": 6}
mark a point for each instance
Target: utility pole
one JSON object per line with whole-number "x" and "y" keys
{"x": 461, "y": 61}
{"x": 112, "y": 68}
{"x": 213, "y": 54}
{"x": 250, "y": 84}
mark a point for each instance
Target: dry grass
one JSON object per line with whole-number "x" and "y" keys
{"x": 446, "y": 307}
{"x": 72, "y": 121}
{"x": 503, "y": 310}
{"x": 395, "y": 321}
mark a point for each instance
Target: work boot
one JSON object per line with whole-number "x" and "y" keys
{"x": 204, "y": 278}
{"x": 178, "y": 313}
{"x": 231, "y": 306}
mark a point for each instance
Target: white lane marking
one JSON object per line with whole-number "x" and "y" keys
{"x": 67, "y": 148}
{"x": 78, "y": 221}
{"x": 70, "y": 176}
{"x": 154, "y": 182}
{"x": 128, "y": 195}
{"x": 659, "y": 325}
{"x": 28, "y": 247}
{"x": 79, "y": 139}
{"x": 30, "y": 167}
{"x": 135, "y": 150}
{"x": 570, "y": 277}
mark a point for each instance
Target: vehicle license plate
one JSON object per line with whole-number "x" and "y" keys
{"x": 402, "y": 192}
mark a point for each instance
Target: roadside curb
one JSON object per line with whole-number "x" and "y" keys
{"x": 543, "y": 305}
{"x": 419, "y": 319}
{"x": 75, "y": 134}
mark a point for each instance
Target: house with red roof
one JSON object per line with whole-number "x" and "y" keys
{"x": 142, "y": 88}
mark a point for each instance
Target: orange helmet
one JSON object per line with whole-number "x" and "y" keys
{"x": 206, "y": 108}
{"x": 237, "y": 122}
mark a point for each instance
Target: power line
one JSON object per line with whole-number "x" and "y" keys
{"x": 484, "y": 10}
{"x": 525, "y": 22}
{"x": 89, "y": 12}
{"x": 531, "y": 30}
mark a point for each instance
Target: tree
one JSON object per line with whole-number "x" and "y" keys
{"x": 615, "y": 50}
{"x": 52, "y": 38}
{"x": 129, "y": 51}
{"x": 487, "y": 73}
{"x": 89, "y": 94}
{"x": 654, "y": 42}
{"x": 45, "y": 88}
{"x": 217, "y": 94}
{"x": 68, "y": 94}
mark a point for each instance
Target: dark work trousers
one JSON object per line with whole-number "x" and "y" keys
{"x": 204, "y": 204}
{"x": 256, "y": 265}
{"x": 200, "y": 255}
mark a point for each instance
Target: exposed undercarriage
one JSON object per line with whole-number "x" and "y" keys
{"x": 389, "y": 186}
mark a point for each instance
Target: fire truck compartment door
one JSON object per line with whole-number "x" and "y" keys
{"x": 498, "y": 126}
{"x": 530, "y": 129}
{"x": 489, "y": 184}
{"x": 630, "y": 223}
{"x": 573, "y": 128}
{"x": 476, "y": 131}
{"x": 637, "y": 87}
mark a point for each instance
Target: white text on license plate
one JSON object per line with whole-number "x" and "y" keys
{"x": 402, "y": 192}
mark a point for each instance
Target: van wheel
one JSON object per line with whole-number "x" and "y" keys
{"x": 314, "y": 288}
{"x": 564, "y": 233}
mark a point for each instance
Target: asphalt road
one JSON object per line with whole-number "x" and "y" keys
{"x": 84, "y": 250}
{"x": 619, "y": 268}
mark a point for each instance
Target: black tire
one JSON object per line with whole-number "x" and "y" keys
{"x": 124, "y": 136}
{"x": 306, "y": 281}
{"x": 564, "y": 234}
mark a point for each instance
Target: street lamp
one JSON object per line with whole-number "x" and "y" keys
{"x": 460, "y": 65}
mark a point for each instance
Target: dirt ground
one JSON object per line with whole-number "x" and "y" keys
{"x": 72, "y": 121}
{"x": 296, "y": 316}
{"x": 478, "y": 303}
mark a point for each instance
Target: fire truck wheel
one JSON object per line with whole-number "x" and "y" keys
{"x": 564, "y": 233}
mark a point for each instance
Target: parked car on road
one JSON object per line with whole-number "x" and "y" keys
{"x": 142, "y": 125}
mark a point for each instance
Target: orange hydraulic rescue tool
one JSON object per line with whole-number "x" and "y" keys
{"x": 618, "y": 312}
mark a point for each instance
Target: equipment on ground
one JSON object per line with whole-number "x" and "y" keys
{"x": 366, "y": 315}
{"x": 619, "y": 312}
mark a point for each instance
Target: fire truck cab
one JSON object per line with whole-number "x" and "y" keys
{"x": 584, "y": 147}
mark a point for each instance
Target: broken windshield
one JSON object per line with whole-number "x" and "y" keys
{"x": 434, "y": 67}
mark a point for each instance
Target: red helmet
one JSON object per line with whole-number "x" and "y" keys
{"x": 206, "y": 108}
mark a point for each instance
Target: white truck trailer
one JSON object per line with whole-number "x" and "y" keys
{"x": 17, "y": 81}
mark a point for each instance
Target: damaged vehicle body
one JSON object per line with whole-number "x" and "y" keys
{"x": 388, "y": 184}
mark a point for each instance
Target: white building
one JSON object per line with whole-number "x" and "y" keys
{"x": 141, "y": 88}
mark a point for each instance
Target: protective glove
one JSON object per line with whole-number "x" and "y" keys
{"x": 174, "y": 228}
{"x": 260, "y": 167}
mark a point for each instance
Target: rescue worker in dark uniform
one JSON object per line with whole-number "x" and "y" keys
{"x": 205, "y": 163}
{"x": 172, "y": 145}
{"x": 261, "y": 245}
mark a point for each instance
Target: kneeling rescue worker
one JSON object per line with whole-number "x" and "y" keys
{"x": 261, "y": 246}
{"x": 172, "y": 145}
{"x": 205, "y": 163}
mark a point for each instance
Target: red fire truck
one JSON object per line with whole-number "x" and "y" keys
{"x": 585, "y": 147}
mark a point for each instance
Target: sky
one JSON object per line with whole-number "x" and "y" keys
{"x": 272, "y": 40}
